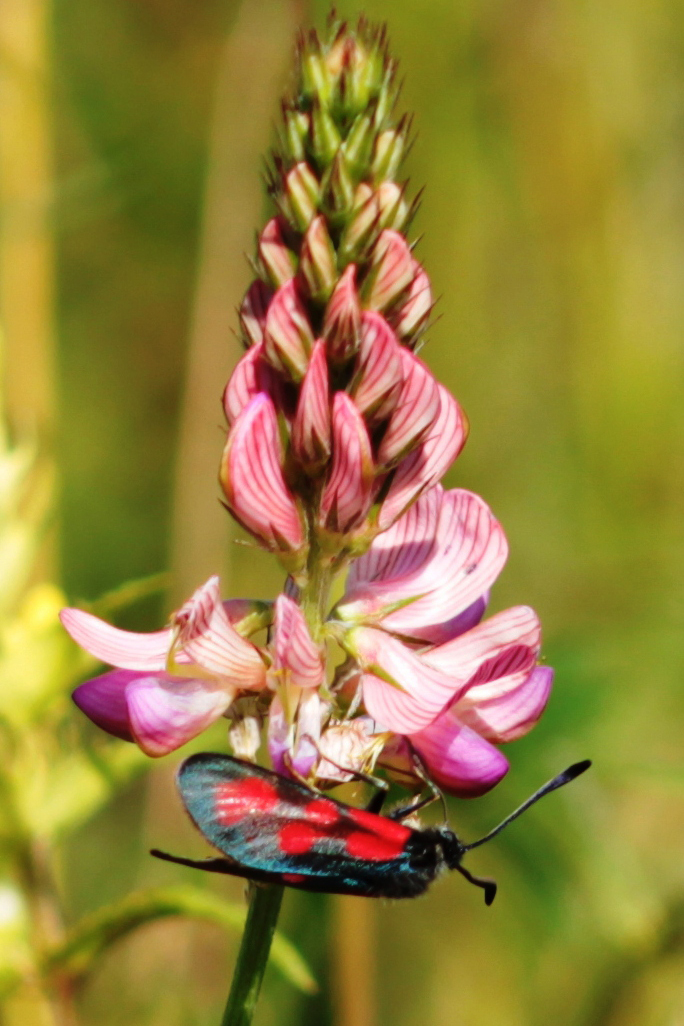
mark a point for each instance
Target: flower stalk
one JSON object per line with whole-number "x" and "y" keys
{"x": 262, "y": 917}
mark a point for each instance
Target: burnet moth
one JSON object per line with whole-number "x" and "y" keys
{"x": 275, "y": 830}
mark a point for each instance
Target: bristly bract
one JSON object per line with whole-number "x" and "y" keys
{"x": 272, "y": 829}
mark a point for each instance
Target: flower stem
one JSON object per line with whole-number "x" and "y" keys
{"x": 262, "y": 916}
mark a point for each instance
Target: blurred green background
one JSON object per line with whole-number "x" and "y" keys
{"x": 550, "y": 138}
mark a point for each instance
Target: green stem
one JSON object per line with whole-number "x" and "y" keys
{"x": 262, "y": 916}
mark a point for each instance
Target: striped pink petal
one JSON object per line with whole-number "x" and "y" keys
{"x": 434, "y": 563}
{"x": 379, "y": 372}
{"x": 288, "y": 338}
{"x": 125, "y": 649}
{"x": 411, "y": 316}
{"x": 293, "y": 648}
{"x": 391, "y": 269}
{"x": 500, "y": 652}
{"x": 507, "y": 708}
{"x": 311, "y": 428}
{"x": 342, "y": 322}
{"x": 278, "y": 260}
{"x": 347, "y": 494}
{"x": 424, "y": 467}
{"x": 416, "y": 412}
{"x": 252, "y": 478}
{"x": 252, "y": 375}
{"x": 166, "y": 713}
{"x": 457, "y": 759}
{"x": 207, "y": 637}
{"x": 400, "y": 690}
{"x": 253, "y": 311}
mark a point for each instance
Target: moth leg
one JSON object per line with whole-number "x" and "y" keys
{"x": 208, "y": 865}
{"x": 434, "y": 794}
{"x": 487, "y": 885}
{"x": 381, "y": 786}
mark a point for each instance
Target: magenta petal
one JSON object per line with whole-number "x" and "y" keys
{"x": 457, "y": 759}
{"x": 125, "y": 649}
{"x": 437, "y": 634}
{"x": 103, "y": 700}
{"x": 166, "y": 712}
{"x": 505, "y": 714}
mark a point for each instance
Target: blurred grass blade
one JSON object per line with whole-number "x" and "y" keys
{"x": 77, "y": 955}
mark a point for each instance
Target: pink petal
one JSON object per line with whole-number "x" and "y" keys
{"x": 103, "y": 700}
{"x": 288, "y": 338}
{"x": 277, "y": 258}
{"x": 252, "y": 478}
{"x": 379, "y": 372}
{"x": 311, "y": 428}
{"x": 438, "y": 633}
{"x": 251, "y": 376}
{"x": 347, "y": 495}
{"x": 470, "y": 553}
{"x": 424, "y": 467}
{"x": 413, "y": 313}
{"x": 166, "y": 713}
{"x": 416, "y": 412}
{"x": 125, "y": 649}
{"x": 457, "y": 759}
{"x": 418, "y": 692}
{"x": 293, "y": 648}
{"x": 293, "y": 746}
{"x": 253, "y": 310}
{"x": 208, "y": 638}
{"x": 391, "y": 269}
{"x": 443, "y": 554}
{"x": 502, "y": 714}
{"x": 503, "y": 648}
{"x": 342, "y": 322}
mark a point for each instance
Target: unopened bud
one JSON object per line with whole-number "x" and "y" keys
{"x": 288, "y": 338}
{"x": 379, "y": 375}
{"x": 296, "y": 130}
{"x": 415, "y": 415}
{"x": 317, "y": 261}
{"x": 392, "y": 207}
{"x": 311, "y": 440}
{"x": 326, "y": 138}
{"x": 316, "y": 80}
{"x": 300, "y": 198}
{"x": 348, "y": 492}
{"x": 389, "y": 151}
{"x": 253, "y": 311}
{"x": 278, "y": 260}
{"x": 358, "y": 146}
{"x": 411, "y": 316}
{"x": 362, "y": 227}
{"x": 338, "y": 189}
{"x": 342, "y": 322}
{"x": 391, "y": 270}
{"x": 363, "y": 78}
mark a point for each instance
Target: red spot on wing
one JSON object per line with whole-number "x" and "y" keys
{"x": 375, "y": 849}
{"x": 322, "y": 812}
{"x": 381, "y": 827}
{"x": 292, "y": 878}
{"x": 296, "y": 838}
{"x": 239, "y": 798}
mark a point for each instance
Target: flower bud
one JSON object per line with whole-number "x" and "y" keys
{"x": 288, "y": 338}
{"x": 316, "y": 80}
{"x": 392, "y": 207}
{"x": 416, "y": 412}
{"x": 389, "y": 151}
{"x": 413, "y": 313}
{"x": 348, "y": 492}
{"x": 311, "y": 439}
{"x": 358, "y": 146}
{"x": 338, "y": 189}
{"x": 251, "y": 376}
{"x": 296, "y": 130}
{"x": 363, "y": 77}
{"x": 299, "y": 200}
{"x": 379, "y": 373}
{"x": 317, "y": 261}
{"x": 326, "y": 138}
{"x": 252, "y": 479}
{"x": 278, "y": 260}
{"x": 342, "y": 322}
{"x": 362, "y": 227}
{"x": 253, "y": 311}
{"x": 391, "y": 270}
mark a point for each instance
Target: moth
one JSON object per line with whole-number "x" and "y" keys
{"x": 272, "y": 829}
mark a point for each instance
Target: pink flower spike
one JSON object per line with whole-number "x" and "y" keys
{"x": 294, "y": 652}
{"x": 342, "y": 322}
{"x": 278, "y": 260}
{"x": 207, "y": 637}
{"x": 417, "y": 409}
{"x": 311, "y": 428}
{"x": 457, "y": 759}
{"x": 103, "y": 700}
{"x": 288, "y": 338}
{"x": 253, "y": 311}
{"x": 379, "y": 373}
{"x": 413, "y": 313}
{"x": 401, "y": 691}
{"x": 125, "y": 649}
{"x": 424, "y": 467}
{"x": 347, "y": 494}
{"x": 166, "y": 713}
{"x": 505, "y": 709}
{"x": 391, "y": 270}
{"x": 252, "y": 479}
{"x": 252, "y": 375}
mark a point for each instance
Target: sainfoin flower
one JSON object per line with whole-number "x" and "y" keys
{"x": 338, "y": 435}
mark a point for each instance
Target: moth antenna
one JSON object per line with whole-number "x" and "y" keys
{"x": 563, "y": 778}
